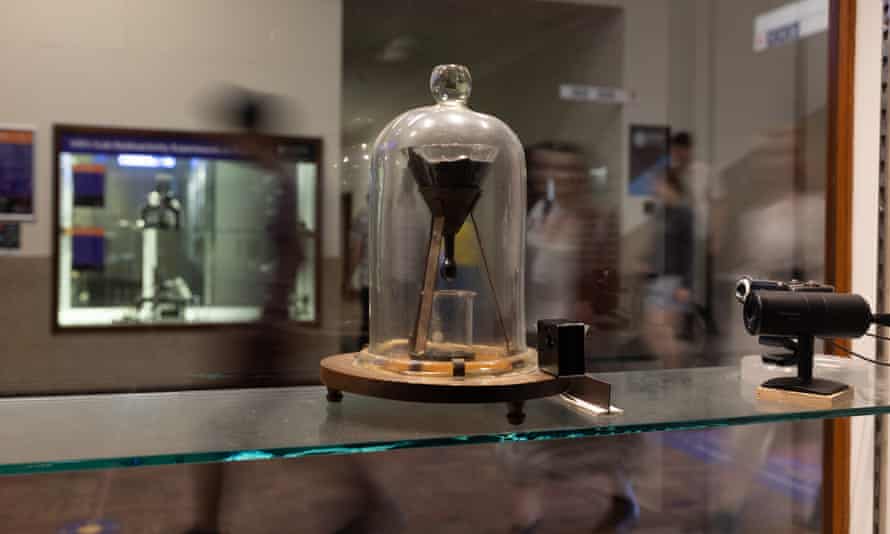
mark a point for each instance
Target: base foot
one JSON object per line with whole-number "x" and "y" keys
{"x": 334, "y": 395}
{"x": 516, "y": 412}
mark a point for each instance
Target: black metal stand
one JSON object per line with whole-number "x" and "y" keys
{"x": 804, "y": 381}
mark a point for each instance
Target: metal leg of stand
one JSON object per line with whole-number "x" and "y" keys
{"x": 425, "y": 307}
{"x": 494, "y": 293}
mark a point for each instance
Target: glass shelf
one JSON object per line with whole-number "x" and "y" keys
{"x": 46, "y": 434}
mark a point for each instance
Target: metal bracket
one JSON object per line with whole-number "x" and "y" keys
{"x": 589, "y": 394}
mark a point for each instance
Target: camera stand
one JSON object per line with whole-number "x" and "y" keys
{"x": 804, "y": 386}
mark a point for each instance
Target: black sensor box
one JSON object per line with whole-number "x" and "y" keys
{"x": 561, "y": 347}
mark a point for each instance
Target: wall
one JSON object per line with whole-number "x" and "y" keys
{"x": 151, "y": 65}
{"x": 689, "y": 64}
{"x": 645, "y": 68}
{"x": 582, "y": 55}
{"x": 518, "y": 52}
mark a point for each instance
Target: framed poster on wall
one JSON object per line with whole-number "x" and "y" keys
{"x": 16, "y": 173}
{"x": 649, "y": 154}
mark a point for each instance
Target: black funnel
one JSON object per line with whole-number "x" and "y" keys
{"x": 450, "y": 178}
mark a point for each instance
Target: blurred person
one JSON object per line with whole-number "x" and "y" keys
{"x": 704, "y": 187}
{"x": 773, "y": 221}
{"x": 270, "y": 346}
{"x": 706, "y": 195}
{"x": 564, "y": 233}
{"x": 772, "y": 226}
{"x": 603, "y": 469}
{"x": 267, "y": 344}
{"x": 669, "y": 290}
{"x": 554, "y": 250}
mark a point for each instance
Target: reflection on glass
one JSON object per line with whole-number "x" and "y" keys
{"x": 657, "y": 172}
{"x": 670, "y": 148}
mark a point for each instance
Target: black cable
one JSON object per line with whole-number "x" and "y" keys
{"x": 882, "y": 319}
{"x": 856, "y": 354}
{"x": 878, "y": 336}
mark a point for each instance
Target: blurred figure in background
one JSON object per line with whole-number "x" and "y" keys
{"x": 566, "y": 255}
{"x": 771, "y": 225}
{"x": 571, "y": 240}
{"x": 603, "y": 469}
{"x": 272, "y": 346}
{"x": 774, "y": 226}
{"x": 669, "y": 290}
{"x": 707, "y": 195}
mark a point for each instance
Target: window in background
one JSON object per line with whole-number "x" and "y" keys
{"x": 167, "y": 228}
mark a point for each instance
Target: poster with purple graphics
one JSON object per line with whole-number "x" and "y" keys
{"x": 16, "y": 174}
{"x": 649, "y": 157}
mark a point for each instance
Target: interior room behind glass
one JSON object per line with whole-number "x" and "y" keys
{"x": 615, "y": 102}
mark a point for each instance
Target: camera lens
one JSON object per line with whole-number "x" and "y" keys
{"x": 751, "y": 313}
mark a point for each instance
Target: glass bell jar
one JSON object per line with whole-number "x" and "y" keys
{"x": 447, "y": 240}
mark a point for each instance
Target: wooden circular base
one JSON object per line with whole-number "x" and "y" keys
{"x": 340, "y": 373}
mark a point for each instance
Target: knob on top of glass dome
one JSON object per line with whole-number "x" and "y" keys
{"x": 451, "y": 84}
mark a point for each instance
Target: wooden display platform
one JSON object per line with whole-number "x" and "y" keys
{"x": 805, "y": 399}
{"x": 341, "y": 374}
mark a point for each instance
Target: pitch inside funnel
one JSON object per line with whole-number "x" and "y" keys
{"x": 449, "y": 177}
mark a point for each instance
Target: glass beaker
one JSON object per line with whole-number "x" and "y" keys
{"x": 451, "y": 325}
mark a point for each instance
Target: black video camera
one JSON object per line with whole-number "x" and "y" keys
{"x": 791, "y": 315}
{"x": 793, "y": 309}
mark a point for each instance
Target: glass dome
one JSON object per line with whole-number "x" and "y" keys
{"x": 447, "y": 234}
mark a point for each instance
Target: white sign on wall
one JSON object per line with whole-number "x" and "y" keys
{"x": 592, "y": 93}
{"x": 789, "y": 23}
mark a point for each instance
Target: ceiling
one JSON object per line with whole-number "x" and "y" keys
{"x": 390, "y": 46}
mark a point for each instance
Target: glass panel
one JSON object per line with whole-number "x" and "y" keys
{"x": 565, "y": 486}
{"x": 653, "y": 167}
{"x": 669, "y": 145}
{"x": 612, "y": 84}
{"x": 217, "y": 426}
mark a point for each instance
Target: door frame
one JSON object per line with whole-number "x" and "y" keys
{"x": 836, "y": 447}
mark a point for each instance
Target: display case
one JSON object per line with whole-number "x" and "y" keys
{"x": 168, "y": 228}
